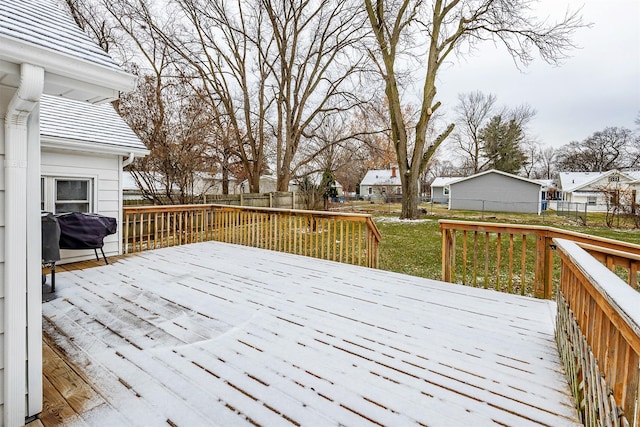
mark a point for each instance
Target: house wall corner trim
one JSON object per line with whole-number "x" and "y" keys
{"x": 16, "y": 130}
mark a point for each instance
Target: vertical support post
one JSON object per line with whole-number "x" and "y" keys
{"x": 538, "y": 281}
{"x": 548, "y": 268}
{"x": 446, "y": 254}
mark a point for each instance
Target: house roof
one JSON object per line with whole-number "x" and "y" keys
{"x": 381, "y": 177}
{"x": 38, "y": 32}
{"x": 572, "y": 181}
{"x": 79, "y": 125}
{"x": 442, "y": 181}
{"x": 42, "y": 23}
{"x": 495, "y": 171}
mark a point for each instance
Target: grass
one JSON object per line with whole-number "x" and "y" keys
{"x": 415, "y": 247}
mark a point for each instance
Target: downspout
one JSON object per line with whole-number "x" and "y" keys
{"x": 126, "y": 162}
{"x": 19, "y": 109}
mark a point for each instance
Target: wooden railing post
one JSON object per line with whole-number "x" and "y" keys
{"x": 447, "y": 255}
{"x": 538, "y": 287}
{"x": 548, "y": 268}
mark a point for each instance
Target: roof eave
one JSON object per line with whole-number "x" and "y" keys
{"x": 98, "y": 83}
{"x": 57, "y": 143}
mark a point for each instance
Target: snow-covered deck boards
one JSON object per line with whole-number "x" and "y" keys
{"x": 218, "y": 334}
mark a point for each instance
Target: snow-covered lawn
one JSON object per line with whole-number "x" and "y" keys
{"x": 219, "y": 334}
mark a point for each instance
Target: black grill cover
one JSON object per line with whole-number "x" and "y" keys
{"x": 84, "y": 231}
{"x": 50, "y": 237}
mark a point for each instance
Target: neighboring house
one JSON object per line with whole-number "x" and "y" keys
{"x": 549, "y": 192}
{"x": 598, "y": 189}
{"x": 204, "y": 184}
{"x": 215, "y": 184}
{"x": 496, "y": 191}
{"x": 268, "y": 184}
{"x": 83, "y": 150}
{"x": 42, "y": 52}
{"x": 440, "y": 189}
{"x": 381, "y": 184}
{"x": 316, "y": 179}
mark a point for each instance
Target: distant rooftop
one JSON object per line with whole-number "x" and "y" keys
{"x": 381, "y": 177}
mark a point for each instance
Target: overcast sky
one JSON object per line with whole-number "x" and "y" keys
{"x": 598, "y": 86}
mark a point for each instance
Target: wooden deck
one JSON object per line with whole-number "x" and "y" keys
{"x": 218, "y": 334}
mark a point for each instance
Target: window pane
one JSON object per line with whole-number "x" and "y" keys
{"x": 72, "y": 190}
{"x": 72, "y": 207}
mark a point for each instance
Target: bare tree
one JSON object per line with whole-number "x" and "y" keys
{"x": 472, "y": 113}
{"x": 447, "y": 27}
{"x": 165, "y": 111}
{"x": 274, "y": 69}
{"x": 602, "y": 151}
{"x": 547, "y": 163}
{"x": 476, "y": 113}
{"x": 533, "y": 152}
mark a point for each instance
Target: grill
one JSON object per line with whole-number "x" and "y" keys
{"x": 74, "y": 230}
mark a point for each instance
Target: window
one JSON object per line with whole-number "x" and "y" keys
{"x": 614, "y": 178}
{"x": 370, "y": 190}
{"x": 445, "y": 191}
{"x": 591, "y": 200}
{"x": 60, "y": 195}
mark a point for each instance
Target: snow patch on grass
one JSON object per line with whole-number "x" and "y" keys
{"x": 391, "y": 219}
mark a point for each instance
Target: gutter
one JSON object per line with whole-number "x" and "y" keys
{"x": 16, "y": 128}
{"x": 104, "y": 75}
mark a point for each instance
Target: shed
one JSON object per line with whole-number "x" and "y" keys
{"x": 42, "y": 52}
{"x": 83, "y": 150}
{"x": 496, "y": 191}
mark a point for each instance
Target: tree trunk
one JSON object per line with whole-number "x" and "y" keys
{"x": 410, "y": 197}
{"x": 283, "y": 180}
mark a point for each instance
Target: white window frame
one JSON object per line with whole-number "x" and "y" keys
{"x": 445, "y": 191}
{"x": 49, "y": 191}
{"x": 592, "y": 200}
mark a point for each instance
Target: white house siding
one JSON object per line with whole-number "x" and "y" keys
{"x": 105, "y": 172}
{"x": 438, "y": 196}
{"x": 495, "y": 193}
{"x": 5, "y": 96}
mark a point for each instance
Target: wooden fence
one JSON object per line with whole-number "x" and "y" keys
{"x": 280, "y": 199}
{"x": 520, "y": 258}
{"x": 598, "y": 336}
{"x": 342, "y": 237}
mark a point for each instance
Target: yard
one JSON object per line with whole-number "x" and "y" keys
{"x": 415, "y": 247}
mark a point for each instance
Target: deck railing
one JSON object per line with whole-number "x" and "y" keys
{"x": 597, "y": 324}
{"x": 598, "y": 336}
{"x": 520, "y": 258}
{"x": 349, "y": 238}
